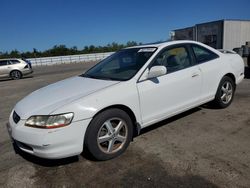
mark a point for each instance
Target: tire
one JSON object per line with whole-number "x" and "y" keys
{"x": 16, "y": 75}
{"x": 109, "y": 134}
{"x": 225, "y": 93}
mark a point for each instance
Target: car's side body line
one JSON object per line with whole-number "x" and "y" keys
{"x": 177, "y": 112}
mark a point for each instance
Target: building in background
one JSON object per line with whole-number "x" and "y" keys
{"x": 221, "y": 34}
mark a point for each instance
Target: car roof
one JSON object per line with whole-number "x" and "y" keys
{"x": 9, "y": 59}
{"x": 164, "y": 44}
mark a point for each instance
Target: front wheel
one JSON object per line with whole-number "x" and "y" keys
{"x": 109, "y": 134}
{"x": 225, "y": 92}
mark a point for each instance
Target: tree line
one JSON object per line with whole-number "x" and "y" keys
{"x": 61, "y": 50}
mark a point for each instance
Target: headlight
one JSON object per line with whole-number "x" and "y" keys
{"x": 50, "y": 121}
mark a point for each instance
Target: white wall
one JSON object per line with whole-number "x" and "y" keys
{"x": 69, "y": 59}
{"x": 236, "y": 33}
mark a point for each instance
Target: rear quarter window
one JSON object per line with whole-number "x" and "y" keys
{"x": 14, "y": 61}
{"x": 202, "y": 54}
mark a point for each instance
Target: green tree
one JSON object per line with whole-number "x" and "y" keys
{"x": 60, "y": 50}
{"x": 14, "y": 53}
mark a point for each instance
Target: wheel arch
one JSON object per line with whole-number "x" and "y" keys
{"x": 15, "y": 70}
{"x": 136, "y": 125}
{"x": 217, "y": 102}
{"x": 230, "y": 75}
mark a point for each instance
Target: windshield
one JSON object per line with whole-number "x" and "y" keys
{"x": 122, "y": 65}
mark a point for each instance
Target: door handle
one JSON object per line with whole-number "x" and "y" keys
{"x": 195, "y": 75}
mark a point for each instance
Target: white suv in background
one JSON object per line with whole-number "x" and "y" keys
{"x": 14, "y": 68}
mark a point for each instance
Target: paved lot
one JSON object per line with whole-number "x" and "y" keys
{"x": 203, "y": 147}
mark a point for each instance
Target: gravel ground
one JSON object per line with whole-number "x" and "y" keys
{"x": 203, "y": 147}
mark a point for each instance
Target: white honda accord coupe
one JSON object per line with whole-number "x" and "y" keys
{"x": 104, "y": 108}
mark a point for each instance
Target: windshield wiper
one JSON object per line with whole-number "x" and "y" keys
{"x": 87, "y": 76}
{"x": 99, "y": 77}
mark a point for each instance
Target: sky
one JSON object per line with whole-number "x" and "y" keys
{"x": 41, "y": 24}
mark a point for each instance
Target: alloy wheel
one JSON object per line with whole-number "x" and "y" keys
{"x": 226, "y": 92}
{"x": 112, "y": 135}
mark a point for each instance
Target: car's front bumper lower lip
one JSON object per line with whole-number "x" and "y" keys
{"x": 49, "y": 143}
{"x": 240, "y": 78}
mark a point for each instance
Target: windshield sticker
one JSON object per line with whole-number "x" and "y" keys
{"x": 147, "y": 50}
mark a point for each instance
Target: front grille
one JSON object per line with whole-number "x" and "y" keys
{"x": 16, "y": 117}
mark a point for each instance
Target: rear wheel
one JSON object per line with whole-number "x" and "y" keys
{"x": 15, "y": 75}
{"x": 109, "y": 134}
{"x": 225, "y": 93}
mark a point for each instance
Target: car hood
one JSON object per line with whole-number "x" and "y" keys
{"x": 47, "y": 99}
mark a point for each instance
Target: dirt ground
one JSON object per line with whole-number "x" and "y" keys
{"x": 203, "y": 147}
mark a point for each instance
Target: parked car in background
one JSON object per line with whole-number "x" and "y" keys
{"x": 14, "y": 68}
{"x": 104, "y": 108}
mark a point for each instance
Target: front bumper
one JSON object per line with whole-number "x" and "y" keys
{"x": 240, "y": 78}
{"x": 49, "y": 143}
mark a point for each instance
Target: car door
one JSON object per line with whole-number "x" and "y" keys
{"x": 4, "y": 70}
{"x": 211, "y": 69}
{"x": 174, "y": 92}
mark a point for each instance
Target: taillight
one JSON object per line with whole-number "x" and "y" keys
{"x": 26, "y": 66}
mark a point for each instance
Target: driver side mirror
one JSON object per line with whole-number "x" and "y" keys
{"x": 156, "y": 71}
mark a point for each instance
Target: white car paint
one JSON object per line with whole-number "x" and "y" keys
{"x": 172, "y": 88}
{"x": 150, "y": 101}
{"x": 55, "y": 95}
